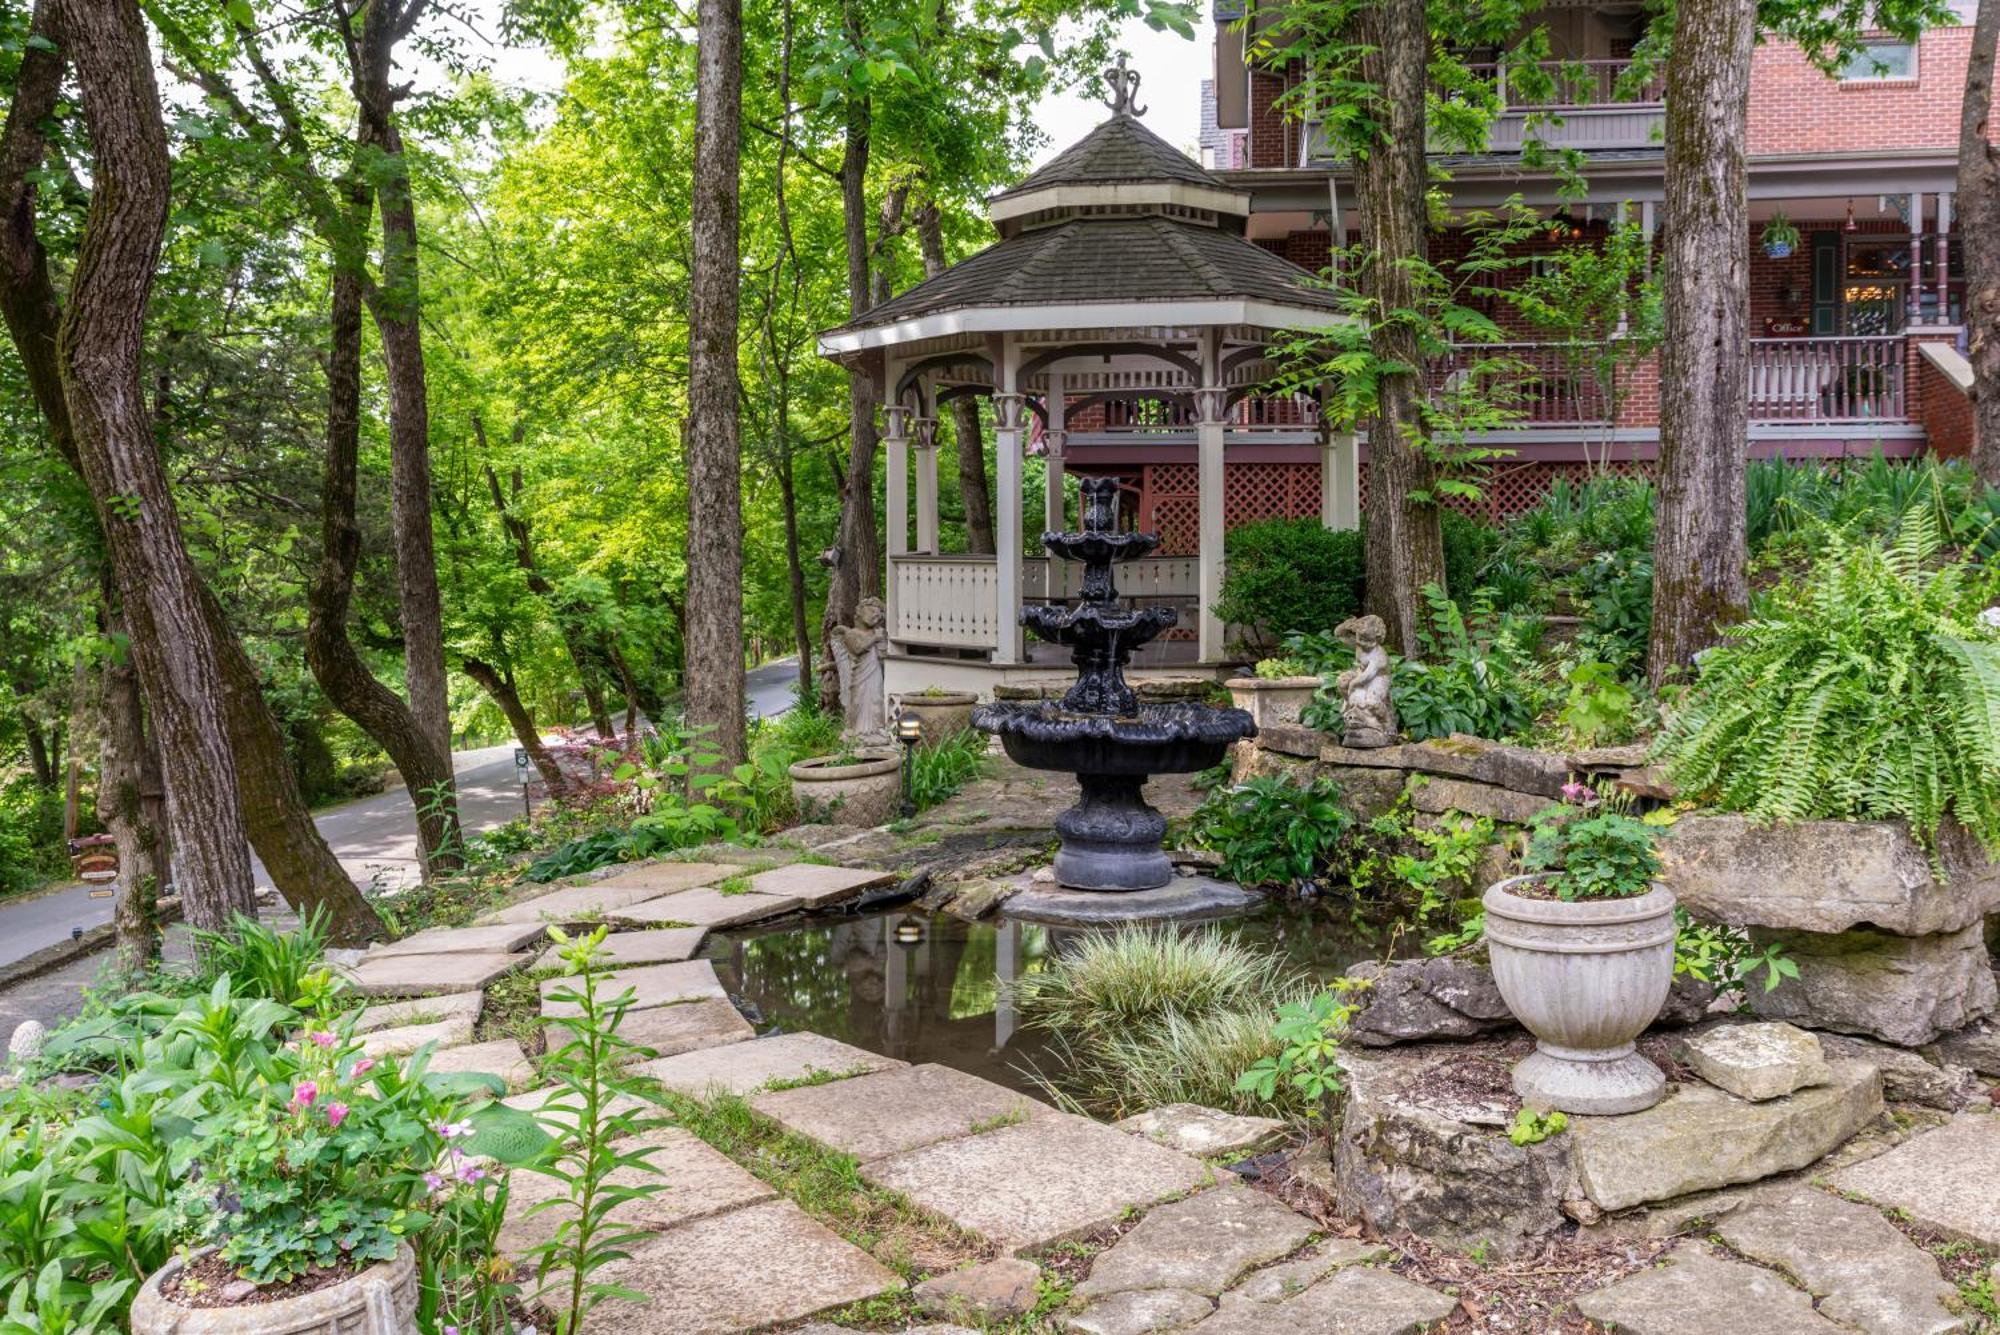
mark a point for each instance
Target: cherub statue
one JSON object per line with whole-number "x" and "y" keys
{"x": 857, "y": 653}
{"x": 1367, "y": 712}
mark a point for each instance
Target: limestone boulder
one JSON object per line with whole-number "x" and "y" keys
{"x": 1977, "y": 1046}
{"x": 1904, "y": 990}
{"x": 1419, "y": 1001}
{"x": 1827, "y": 876}
{"x": 1907, "y": 1077}
{"x": 1438, "y": 795}
{"x": 1757, "y": 1061}
{"x": 1523, "y": 769}
{"x": 1366, "y": 792}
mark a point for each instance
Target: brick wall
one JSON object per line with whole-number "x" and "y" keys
{"x": 1796, "y": 109}
{"x": 1942, "y": 407}
{"x": 1273, "y": 138}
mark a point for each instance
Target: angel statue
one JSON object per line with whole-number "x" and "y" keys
{"x": 1367, "y": 711}
{"x": 857, "y": 653}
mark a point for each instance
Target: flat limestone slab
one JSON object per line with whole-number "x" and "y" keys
{"x": 506, "y": 937}
{"x": 422, "y": 1010}
{"x": 1947, "y": 1179}
{"x": 1355, "y": 1300}
{"x": 705, "y": 908}
{"x": 650, "y": 984}
{"x": 816, "y": 886}
{"x": 742, "y": 1270}
{"x": 502, "y": 1057}
{"x": 1700, "y": 1138}
{"x": 1203, "y": 1244}
{"x": 1698, "y": 1293}
{"x": 671, "y": 1030}
{"x": 873, "y": 1116}
{"x": 1757, "y": 1061}
{"x": 664, "y": 878}
{"x": 1860, "y": 1266}
{"x": 405, "y": 1039}
{"x": 697, "y": 1182}
{"x": 1039, "y": 1181}
{"x": 420, "y": 975}
{"x": 576, "y": 903}
{"x": 745, "y": 1068}
{"x": 1183, "y": 899}
{"x": 1193, "y": 1129}
{"x": 660, "y": 945}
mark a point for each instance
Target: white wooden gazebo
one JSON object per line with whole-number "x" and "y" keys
{"x": 1121, "y": 272}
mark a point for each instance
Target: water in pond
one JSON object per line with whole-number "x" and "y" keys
{"x": 927, "y": 987}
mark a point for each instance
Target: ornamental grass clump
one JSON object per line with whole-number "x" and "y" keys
{"x": 1868, "y": 689}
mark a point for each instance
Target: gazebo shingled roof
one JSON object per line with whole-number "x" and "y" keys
{"x": 1119, "y": 150}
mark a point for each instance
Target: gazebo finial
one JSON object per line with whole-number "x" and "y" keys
{"x": 1124, "y": 83}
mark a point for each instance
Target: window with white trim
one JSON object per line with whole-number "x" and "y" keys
{"x": 1881, "y": 61}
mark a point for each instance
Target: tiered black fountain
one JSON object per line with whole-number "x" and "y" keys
{"x": 1099, "y": 731}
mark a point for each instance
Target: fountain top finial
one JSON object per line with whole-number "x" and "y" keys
{"x": 1124, "y": 85}
{"x": 1100, "y": 504}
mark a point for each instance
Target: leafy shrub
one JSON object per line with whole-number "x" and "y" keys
{"x": 1616, "y": 589}
{"x": 1287, "y": 575}
{"x": 1463, "y": 681}
{"x": 1270, "y": 830}
{"x": 1307, "y": 1061}
{"x": 1869, "y": 689}
{"x": 1468, "y": 545}
{"x": 1599, "y": 707}
{"x": 938, "y": 771}
{"x": 31, "y": 843}
{"x": 261, "y": 961}
{"x": 1592, "y": 851}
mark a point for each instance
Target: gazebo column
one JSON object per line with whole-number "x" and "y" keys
{"x": 927, "y": 493}
{"x": 1212, "y": 408}
{"x": 896, "y": 457}
{"x": 1057, "y": 436}
{"x": 1340, "y": 480}
{"x": 1009, "y": 412}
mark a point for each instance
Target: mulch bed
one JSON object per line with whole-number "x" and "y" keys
{"x": 204, "y": 1282}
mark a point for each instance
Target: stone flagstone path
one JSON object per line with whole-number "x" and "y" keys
{"x": 724, "y": 1253}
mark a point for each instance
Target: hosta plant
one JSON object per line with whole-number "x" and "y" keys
{"x": 1271, "y": 831}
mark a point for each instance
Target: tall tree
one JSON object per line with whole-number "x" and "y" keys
{"x": 1700, "y": 579}
{"x": 97, "y": 348}
{"x": 1979, "y": 239}
{"x": 713, "y": 675}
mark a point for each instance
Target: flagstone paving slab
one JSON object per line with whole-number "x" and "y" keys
{"x": 405, "y": 1039}
{"x": 1139, "y": 1313}
{"x": 1357, "y": 1300}
{"x": 1947, "y": 1179}
{"x": 502, "y": 1057}
{"x": 505, "y": 936}
{"x": 817, "y": 886}
{"x": 419, "y": 975}
{"x": 576, "y": 903}
{"x": 1203, "y": 1244}
{"x": 696, "y": 1182}
{"x": 1039, "y": 1181}
{"x": 421, "y": 1010}
{"x": 1193, "y": 1129}
{"x": 745, "y": 1068}
{"x": 742, "y": 1270}
{"x": 1698, "y": 1293}
{"x": 664, "y": 878}
{"x": 704, "y": 908}
{"x": 1288, "y": 1279}
{"x": 667, "y": 1031}
{"x": 650, "y": 984}
{"x": 660, "y": 945}
{"x": 873, "y": 1116}
{"x": 1862, "y": 1268}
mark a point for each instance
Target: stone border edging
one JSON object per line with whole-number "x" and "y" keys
{"x": 94, "y": 939}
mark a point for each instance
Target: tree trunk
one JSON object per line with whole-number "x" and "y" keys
{"x": 1700, "y": 577}
{"x": 795, "y": 566}
{"x": 131, "y": 801}
{"x": 336, "y": 665}
{"x": 501, "y": 688}
{"x": 972, "y": 490}
{"x": 1405, "y": 549}
{"x": 27, "y": 296}
{"x": 98, "y": 349}
{"x": 1979, "y": 241}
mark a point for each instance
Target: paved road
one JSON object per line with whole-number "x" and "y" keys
{"x": 375, "y": 838}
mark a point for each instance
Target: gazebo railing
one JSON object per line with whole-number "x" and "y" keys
{"x": 954, "y": 601}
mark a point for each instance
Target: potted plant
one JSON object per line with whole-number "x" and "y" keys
{"x": 1780, "y": 237}
{"x": 941, "y": 713}
{"x": 1277, "y": 690}
{"x": 303, "y": 1188}
{"x": 853, "y": 786}
{"x": 1582, "y": 948}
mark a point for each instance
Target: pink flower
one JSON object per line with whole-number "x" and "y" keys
{"x": 321, "y": 1037}
{"x": 303, "y": 1094}
{"x": 1580, "y": 793}
{"x": 433, "y": 1181}
{"x": 470, "y": 1172}
{"x": 453, "y": 1130}
{"x": 363, "y": 1067}
{"x": 336, "y": 1113}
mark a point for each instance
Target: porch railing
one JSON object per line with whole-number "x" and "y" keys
{"x": 954, "y": 601}
{"x": 1574, "y": 83}
{"x": 1543, "y": 383}
{"x": 1826, "y": 379}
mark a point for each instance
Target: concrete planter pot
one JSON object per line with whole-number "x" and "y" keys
{"x": 942, "y": 714}
{"x": 865, "y": 790}
{"x": 1272, "y": 701}
{"x": 1586, "y": 978}
{"x": 381, "y": 1300}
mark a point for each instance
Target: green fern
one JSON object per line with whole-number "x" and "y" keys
{"x": 1867, "y": 690}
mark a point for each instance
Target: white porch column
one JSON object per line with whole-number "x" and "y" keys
{"x": 1945, "y": 202}
{"x": 1916, "y": 297}
{"x": 896, "y": 458}
{"x": 1211, "y": 402}
{"x": 927, "y": 496}
{"x": 1340, "y": 480}
{"x": 1057, "y": 437}
{"x": 1009, "y": 410}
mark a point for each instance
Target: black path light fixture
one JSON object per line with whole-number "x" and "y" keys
{"x": 909, "y": 731}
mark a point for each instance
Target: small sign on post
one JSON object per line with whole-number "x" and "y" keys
{"x": 521, "y": 773}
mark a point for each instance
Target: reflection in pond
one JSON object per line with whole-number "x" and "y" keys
{"x": 929, "y": 987}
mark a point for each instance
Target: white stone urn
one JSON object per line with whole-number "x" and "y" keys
{"x": 381, "y": 1300}
{"x": 862, "y": 788}
{"x": 1586, "y": 977}
{"x": 942, "y": 714}
{"x": 1273, "y": 701}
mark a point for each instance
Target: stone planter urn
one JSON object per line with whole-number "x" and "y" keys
{"x": 942, "y": 714}
{"x": 862, "y": 788}
{"x": 381, "y": 1300}
{"x": 1586, "y": 977}
{"x": 1272, "y": 701}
